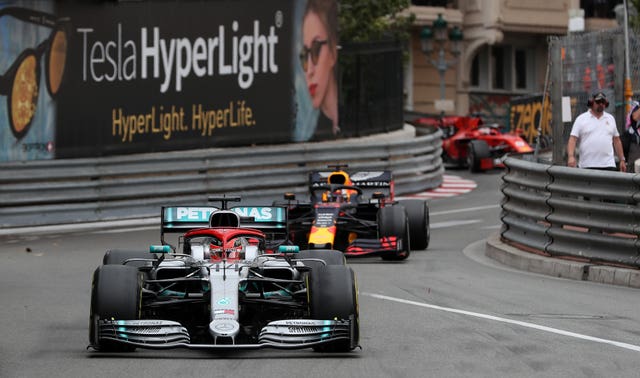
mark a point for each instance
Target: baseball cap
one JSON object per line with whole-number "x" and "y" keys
{"x": 599, "y": 96}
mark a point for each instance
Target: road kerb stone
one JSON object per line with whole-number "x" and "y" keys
{"x": 522, "y": 260}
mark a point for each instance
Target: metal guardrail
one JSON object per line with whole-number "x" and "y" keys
{"x": 125, "y": 187}
{"x": 580, "y": 214}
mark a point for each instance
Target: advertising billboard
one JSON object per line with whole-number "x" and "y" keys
{"x": 527, "y": 113}
{"x": 84, "y": 79}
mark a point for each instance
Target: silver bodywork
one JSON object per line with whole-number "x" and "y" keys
{"x": 224, "y": 279}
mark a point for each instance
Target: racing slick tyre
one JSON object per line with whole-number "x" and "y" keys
{"x": 419, "y": 229}
{"x": 478, "y": 150}
{"x": 119, "y": 256}
{"x": 392, "y": 221}
{"x": 329, "y": 256}
{"x": 116, "y": 292}
{"x": 333, "y": 294}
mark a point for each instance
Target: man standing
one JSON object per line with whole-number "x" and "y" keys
{"x": 598, "y": 135}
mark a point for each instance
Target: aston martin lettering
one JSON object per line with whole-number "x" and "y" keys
{"x": 371, "y": 184}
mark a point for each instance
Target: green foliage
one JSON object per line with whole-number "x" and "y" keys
{"x": 370, "y": 80}
{"x": 634, "y": 22}
{"x": 374, "y": 20}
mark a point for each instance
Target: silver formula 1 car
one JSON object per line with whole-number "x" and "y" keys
{"x": 227, "y": 285}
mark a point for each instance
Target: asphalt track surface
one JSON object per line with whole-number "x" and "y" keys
{"x": 446, "y": 312}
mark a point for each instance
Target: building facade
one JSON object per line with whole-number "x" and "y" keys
{"x": 504, "y": 53}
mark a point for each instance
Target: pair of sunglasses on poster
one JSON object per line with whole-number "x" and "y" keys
{"x": 21, "y": 82}
{"x": 313, "y": 51}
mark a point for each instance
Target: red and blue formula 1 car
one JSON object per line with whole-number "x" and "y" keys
{"x": 221, "y": 289}
{"x": 357, "y": 214}
{"x": 467, "y": 141}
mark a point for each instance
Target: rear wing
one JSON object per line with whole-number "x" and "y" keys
{"x": 272, "y": 220}
{"x": 180, "y": 219}
{"x": 368, "y": 181}
{"x": 264, "y": 218}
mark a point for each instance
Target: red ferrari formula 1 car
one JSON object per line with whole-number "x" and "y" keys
{"x": 357, "y": 214}
{"x": 467, "y": 141}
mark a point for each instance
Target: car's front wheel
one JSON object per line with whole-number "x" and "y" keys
{"x": 393, "y": 222}
{"x": 316, "y": 257}
{"x": 116, "y": 292}
{"x": 478, "y": 150}
{"x": 130, "y": 257}
{"x": 333, "y": 294}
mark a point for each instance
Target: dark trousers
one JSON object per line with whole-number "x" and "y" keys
{"x": 602, "y": 168}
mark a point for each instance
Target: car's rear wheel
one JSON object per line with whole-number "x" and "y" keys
{"x": 392, "y": 221}
{"x": 333, "y": 294}
{"x": 419, "y": 229}
{"x": 116, "y": 292}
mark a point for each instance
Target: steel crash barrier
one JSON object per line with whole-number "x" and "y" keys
{"x": 51, "y": 192}
{"x": 584, "y": 215}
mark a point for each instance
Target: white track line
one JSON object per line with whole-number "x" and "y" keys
{"x": 635, "y": 348}
{"x": 437, "y": 225}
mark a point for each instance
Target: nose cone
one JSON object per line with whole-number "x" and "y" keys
{"x": 227, "y": 328}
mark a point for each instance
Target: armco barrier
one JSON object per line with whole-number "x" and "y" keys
{"x": 133, "y": 186}
{"x": 581, "y": 214}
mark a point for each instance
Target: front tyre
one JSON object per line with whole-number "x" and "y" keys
{"x": 127, "y": 257}
{"x": 329, "y": 256}
{"x": 478, "y": 150}
{"x": 116, "y": 292}
{"x": 333, "y": 294}
{"x": 393, "y": 222}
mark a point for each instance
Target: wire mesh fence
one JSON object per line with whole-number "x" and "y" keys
{"x": 634, "y": 61}
{"x": 587, "y": 63}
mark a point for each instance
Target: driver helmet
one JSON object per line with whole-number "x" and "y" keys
{"x": 215, "y": 250}
{"x": 341, "y": 178}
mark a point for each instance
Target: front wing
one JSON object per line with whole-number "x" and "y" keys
{"x": 280, "y": 334}
{"x": 369, "y": 247}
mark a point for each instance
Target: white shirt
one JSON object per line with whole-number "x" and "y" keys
{"x": 595, "y": 138}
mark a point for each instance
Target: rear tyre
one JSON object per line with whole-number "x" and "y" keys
{"x": 116, "y": 292}
{"x": 333, "y": 294}
{"x": 392, "y": 221}
{"x": 419, "y": 229}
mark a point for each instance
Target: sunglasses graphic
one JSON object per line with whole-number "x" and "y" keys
{"x": 20, "y": 83}
{"x": 314, "y": 51}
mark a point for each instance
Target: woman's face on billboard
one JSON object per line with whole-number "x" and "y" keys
{"x": 317, "y": 57}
